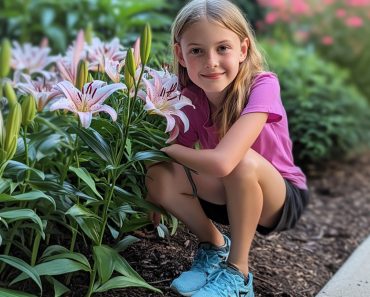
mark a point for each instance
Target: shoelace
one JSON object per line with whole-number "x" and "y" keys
{"x": 203, "y": 257}
{"x": 221, "y": 280}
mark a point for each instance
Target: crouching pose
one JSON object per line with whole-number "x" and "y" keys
{"x": 243, "y": 173}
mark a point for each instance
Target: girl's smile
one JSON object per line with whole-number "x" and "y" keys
{"x": 211, "y": 53}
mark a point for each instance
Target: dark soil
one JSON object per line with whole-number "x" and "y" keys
{"x": 294, "y": 263}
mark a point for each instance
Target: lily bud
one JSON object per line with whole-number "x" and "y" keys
{"x": 82, "y": 74}
{"x": 129, "y": 81}
{"x": 10, "y": 94}
{"x": 2, "y": 130}
{"x": 13, "y": 125}
{"x": 89, "y": 32}
{"x": 5, "y": 57}
{"x": 28, "y": 110}
{"x": 90, "y": 78}
{"x": 130, "y": 63}
{"x": 145, "y": 44}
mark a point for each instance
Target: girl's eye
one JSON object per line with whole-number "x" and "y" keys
{"x": 195, "y": 51}
{"x": 223, "y": 48}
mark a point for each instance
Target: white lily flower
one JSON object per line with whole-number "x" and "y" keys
{"x": 87, "y": 102}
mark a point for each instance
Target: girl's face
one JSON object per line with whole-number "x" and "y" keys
{"x": 211, "y": 54}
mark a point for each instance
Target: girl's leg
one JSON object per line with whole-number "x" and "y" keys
{"x": 168, "y": 186}
{"x": 255, "y": 193}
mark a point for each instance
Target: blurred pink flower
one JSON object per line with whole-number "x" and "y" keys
{"x": 67, "y": 65}
{"x": 87, "y": 102}
{"x": 358, "y": 2}
{"x": 271, "y": 17}
{"x": 31, "y": 59}
{"x": 340, "y": 13}
{"x": 300, "y": 7}
{"x": 41, "y": 89}
{"x": 327, "y": 40}
{"x": 162, "y": 97}
{"x": 354, "y": 21}
{"x": 99, "y": 52}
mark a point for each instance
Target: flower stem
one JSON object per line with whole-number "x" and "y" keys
{"x": 107, "y": 201}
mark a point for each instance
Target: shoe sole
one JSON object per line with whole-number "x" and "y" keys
{"x": 186, "y": 294}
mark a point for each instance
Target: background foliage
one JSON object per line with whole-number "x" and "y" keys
{"x": 328, "y": 116}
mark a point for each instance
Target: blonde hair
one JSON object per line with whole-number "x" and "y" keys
{"x": 229, "y": 16}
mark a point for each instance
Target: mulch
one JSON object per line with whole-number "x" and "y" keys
{"x": 294, "y": 263}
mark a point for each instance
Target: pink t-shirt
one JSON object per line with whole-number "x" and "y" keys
{"x": 273, "y": 143}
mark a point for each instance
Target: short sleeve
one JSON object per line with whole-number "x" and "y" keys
{"x": 265, "y": 97}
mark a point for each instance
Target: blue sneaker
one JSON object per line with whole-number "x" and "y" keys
{"x": 206, "y": 261}
{"x": 228, "y": 281}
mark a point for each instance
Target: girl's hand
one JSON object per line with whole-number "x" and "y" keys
{"x": 155, "y": 218}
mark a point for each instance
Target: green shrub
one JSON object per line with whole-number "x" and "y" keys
{"x": 328, "y": 117}
{"x": 59, "y": 21}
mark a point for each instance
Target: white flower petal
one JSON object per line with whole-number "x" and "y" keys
{"x": 109, "y": 110}
{"x": 63, "y": 104}
{"x": 85, "y": 118}
{"x": 183, "y": 118}
{"x": 170, "y": 122}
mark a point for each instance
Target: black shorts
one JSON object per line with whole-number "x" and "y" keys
{"x": 296, "y": 201}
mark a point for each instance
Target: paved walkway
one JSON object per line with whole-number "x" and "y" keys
{"x": 353, "y": 278}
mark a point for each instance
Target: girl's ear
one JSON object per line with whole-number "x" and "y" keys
{"x": 244, "y": 49}
{"x": 179, "y": 55}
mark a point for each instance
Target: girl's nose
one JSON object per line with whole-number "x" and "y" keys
{"x": 211, "y": 60}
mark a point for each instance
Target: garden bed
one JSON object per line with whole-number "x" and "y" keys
{"x": 294, "y": 263}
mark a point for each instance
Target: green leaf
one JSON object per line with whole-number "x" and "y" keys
{"x": 30, "y": 196}
{"x": 23, "y": 214}
{"x": 138, "y": 201}
{"x": 104, "y": 257}
{"x": 17, "y": 169}
{"x": 120, "y": 282}
{"x": 69, "y": 255}
{"x": 59, "y": 288}
{"x": 81, "y": 211}
{"x": 96, "y": 142}
{"x": 11, "y": 293}
{"x": 54, "y": 267}
{"x": 86, "y": 177}
{"x": 123, "y": 244}
{"x": 124, "y": 268}
{"x": 154, "y": 156}
{"x": 24, "y": 267}
{"x": 135, "y": 224}
{"x": 89, "y": 222}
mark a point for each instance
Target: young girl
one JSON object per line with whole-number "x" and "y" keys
{"x": 243, "y": 173}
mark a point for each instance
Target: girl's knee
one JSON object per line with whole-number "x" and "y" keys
{"x": 159, "y": 181}
{"x": 247, "y": 168}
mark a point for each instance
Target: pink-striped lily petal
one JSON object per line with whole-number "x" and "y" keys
{"x": 104, "y": 92}
{"x": 173, "y": 134}
{"x": 70, "y": 92}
